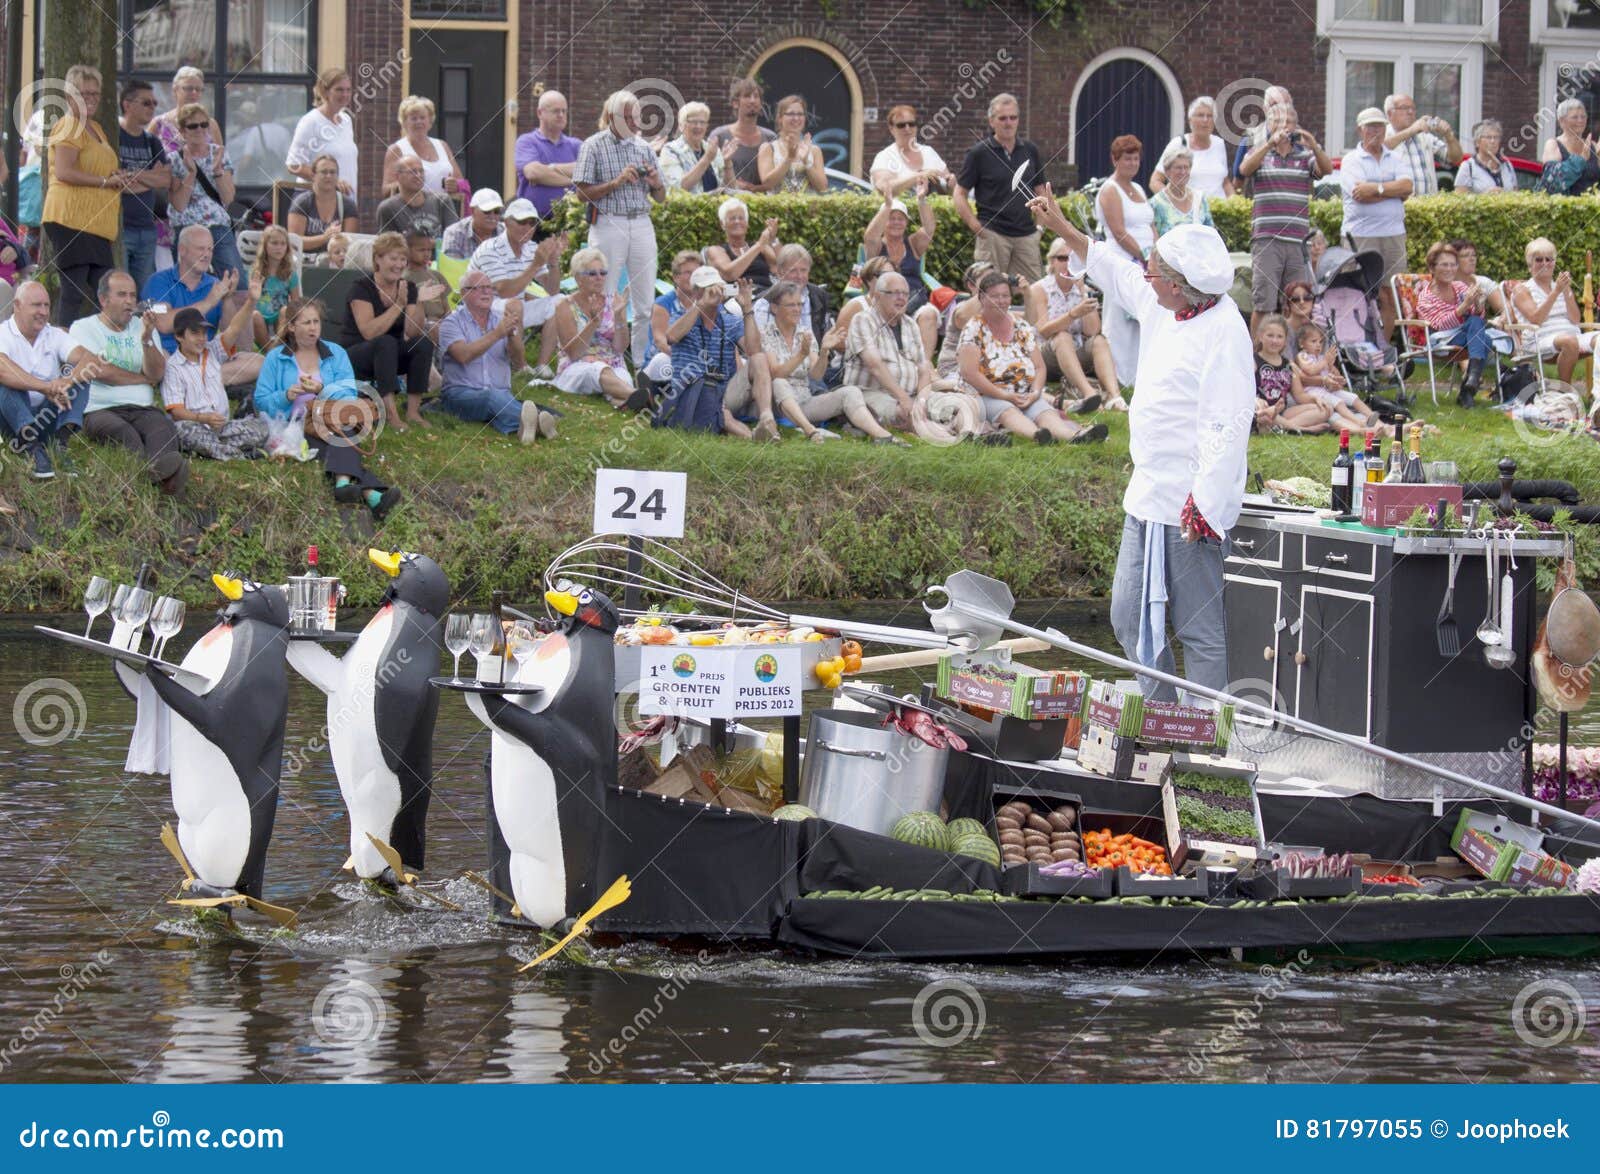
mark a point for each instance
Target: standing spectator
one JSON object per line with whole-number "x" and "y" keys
{"x": 327, "y": 129}
{"x": 441, "y": 174}
{"x": 1571, "y": 163}
{"x": 693, "y": 162}
{"x": 479, "y": 348}
{"x": 1208, "y": 154}
{"x": 192, "y": 392}
{"x": 748, "y": 137}
{"x": 591, "y": 328}
{"x": 1178, "y": 203}
{"x": 1375, "y": 185}
{"x": 717, "y": 365}
{"x": 1418, "y": 142}
{"x": 1316, "y": 245}
{"x": 1284, "y": 168}
{"x": 886, "y": 236}
{"x": 122, "y": 396}
{"x": 483, "y": 222}
{"x": 1130, "y": 225}
{"x": 905, "y": 162}
{"x": 617, "y": 173}
{"x": 190, "y": 283}
{"x": 1486, "y": 169}
{"x": 33, "y": 354}
{"x": 82, "y": 201}
{"x": 203, "y": 187}
{"x": 318, "y": 215}
{"x": 385, "y": 334}
{"x": 884, "y": 356}
{"x": 1068, "y": 322}
{"x": 1006, "y": 235}
{"x": 736, "y": 257}
{"x": 791, "y": 162}
{"x": 1456, "y": 310}
{"x": 1271, "y": 98}
{"x": 413, "y": 208}
{"x": 188, "y": 85}
{"x": 144, "y": 161}
{"x": 545, "y": 158}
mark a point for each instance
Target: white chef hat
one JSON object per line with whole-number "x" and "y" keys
{"x": 1197, "y": 252}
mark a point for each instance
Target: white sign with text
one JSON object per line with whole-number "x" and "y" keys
{"x": 727, "y": 681}
{"x": 639, "y": 501}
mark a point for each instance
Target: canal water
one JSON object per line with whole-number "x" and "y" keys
{"x": 101, "y": 980}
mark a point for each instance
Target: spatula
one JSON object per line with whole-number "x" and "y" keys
{"x": 1445, "y": 628}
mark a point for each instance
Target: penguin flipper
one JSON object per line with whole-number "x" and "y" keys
{"x": 316, "y": 664}
{"x": 128, "y": 677}
{"x": 516, "y": 722}
{"x": 201, "y": 711}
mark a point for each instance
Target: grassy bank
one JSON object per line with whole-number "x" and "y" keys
{"x": 844, "y": 520}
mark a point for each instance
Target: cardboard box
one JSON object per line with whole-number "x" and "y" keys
{"x": 1117, "y": 757}
{"x": 986, "y": 681}
{"x": 1508, "y": 852}
{"x": 1118, "y": 707}
{"x": 1389, "y": 503}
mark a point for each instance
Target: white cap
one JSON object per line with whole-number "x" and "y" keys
{"x": 900, "y": 207}
{"x": 486, "y": 200}
{"x": 521, "y": 210}
{"x": 1197, "y": 252}
{"x": 704, "y": 278}
{"x": 1371, "y": 115}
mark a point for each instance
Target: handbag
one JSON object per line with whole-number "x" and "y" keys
{"x": 694, "y": 407}
{"x": 1559, "y": 175}
{"x": 1515, "y": 383}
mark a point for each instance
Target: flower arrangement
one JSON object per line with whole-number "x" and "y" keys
{"x": 1583, "y": 772}
{"x": 1588, "y": 880}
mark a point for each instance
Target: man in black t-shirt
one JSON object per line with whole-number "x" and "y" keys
{"x": 142, "y": 156}
{"x": 412, "y": 209}
{"x": 1007, "y": 236}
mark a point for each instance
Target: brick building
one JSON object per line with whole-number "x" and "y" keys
{"x": 1127, "y": 67}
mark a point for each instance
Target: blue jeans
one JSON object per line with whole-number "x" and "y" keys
{"x": 225, "y": 253}
{"x": 139, "y": 253}
{"x": 495, "y": 406}
{"x": 29, "y": 428}
{"x": 1478, "y": 337}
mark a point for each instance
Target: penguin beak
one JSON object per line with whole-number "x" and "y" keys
{"x": 231, "y": 588}
{"x": 388, "y": 561}
{"x": 563, "y": 601}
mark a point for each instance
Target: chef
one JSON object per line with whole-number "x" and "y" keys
{"x": 1188, "y": 426}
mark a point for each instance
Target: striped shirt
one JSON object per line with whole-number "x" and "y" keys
{"x": 1282, "y": 196}
{"x": 1416, "y": 158}
{"x": 602, "y": 158}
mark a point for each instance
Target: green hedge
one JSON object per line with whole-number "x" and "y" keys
{"x": 832, "y": 227}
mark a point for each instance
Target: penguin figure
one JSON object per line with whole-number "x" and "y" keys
{"x": 553, "y": 754}
{"x": 381, "y": 713}
{"x": 227, "y": 742}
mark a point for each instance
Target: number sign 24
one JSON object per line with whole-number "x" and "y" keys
{"x": 639, "y": 501}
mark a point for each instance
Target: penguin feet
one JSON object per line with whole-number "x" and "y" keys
{"x": 199, "y": 888}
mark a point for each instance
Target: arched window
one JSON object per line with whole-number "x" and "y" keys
{"x": 1120, "y": 92}
{"x": 822, "y": 75}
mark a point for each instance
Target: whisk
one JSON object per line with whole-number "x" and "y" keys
{"x": 670, "y": 576}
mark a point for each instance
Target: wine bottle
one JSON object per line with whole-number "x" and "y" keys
{"x": 1358, "y": 476}
{"x": 497, "y": 609}
{"x": 1374, "y": 459}
{"x": 1341, "y": 478}
{"x": 1412, "y": 474}
{"x": 146, "y": 577}
{"x": 1397, "y": 457}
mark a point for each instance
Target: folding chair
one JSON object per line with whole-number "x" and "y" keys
{"x": 1419, "y": 339}
{"x": 1524, "y": 334}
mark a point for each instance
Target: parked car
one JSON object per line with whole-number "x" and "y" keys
{"x": 1527, "y": 170}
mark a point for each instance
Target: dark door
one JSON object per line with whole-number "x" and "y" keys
{"x": 1121, "y": 97}
{"x": 816, "y": 77}
{"x": 464, "y": 74}
{"x": 1333, "y": 665}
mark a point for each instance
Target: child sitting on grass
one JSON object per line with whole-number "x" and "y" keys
{"x": 1319, "y": 374}
{"x": 1280, "y": 400}
{"x": 272, "y": 282}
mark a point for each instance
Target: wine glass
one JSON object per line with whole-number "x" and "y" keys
{"x": 166, "y": 620}
{"x": 523, "y": 642}
{"x": 481, "y": 636}
{"x": 96, "y": 598}
{"x": 457, "y": 635}
{"x": 135, "y": 611}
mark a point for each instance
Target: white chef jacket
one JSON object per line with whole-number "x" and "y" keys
{"x": 1194, "y": 400}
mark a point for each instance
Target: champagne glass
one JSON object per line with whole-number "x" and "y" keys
{"x": 96, "y": 598}
{"x": 523, "y": 642}
{"x": 457, "y": 635}
{"x": 135, "y": 611}
{"x": 166, "y": 620}
{"x": 481, "y": 636}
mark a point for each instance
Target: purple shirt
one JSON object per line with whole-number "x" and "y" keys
{"x": 533, "y": 147}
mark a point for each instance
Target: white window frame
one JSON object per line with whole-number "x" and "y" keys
{"x": 1162, "y": 70}
{"x": 1489, "y": 30}
{"x": 1554, "y": 58}
{"x": 1542, "y": 32}
{"x": 1405, "y": 53}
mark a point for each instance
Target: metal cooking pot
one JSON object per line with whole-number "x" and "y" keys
{"x": 859, "y": 773}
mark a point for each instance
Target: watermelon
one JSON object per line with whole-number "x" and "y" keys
{"x": 921, "y": 827}
{"x": 966, "y": 827}
{"x": 794, "y": 811}
{"x": 979, "y": 848}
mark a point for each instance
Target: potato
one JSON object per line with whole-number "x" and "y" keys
{"x": 1008, "y": 823}
{"x": 1012, "y": 838}
{"x": 1062, "y": 819}
{"x": 1035, "y": 840}
{"x": 1063, "y": 854}
{"x": 1038, "y": 822}
{"x": 1017, "y": 809}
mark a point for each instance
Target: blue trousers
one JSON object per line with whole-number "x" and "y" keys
{"x": 139, "y": 253}
{"x": 225, "y": 253}
{"x": 29, "y": 427}
{"x": 1478, "y": 337}
{"x": 495, "y": 406}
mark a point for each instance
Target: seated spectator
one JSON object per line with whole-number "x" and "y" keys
{"x": 122, "y": 396}
{"x": 591, "y": 332}
{"x": 745, "y": 133}
{"x": 41, "y": 406}
{"x": 273, "y": 282}
{"x": 1000, "y": 358}
{"x": 412, "y": 208}
{"x": 516, "y": 264}
{"x": 905, "y": 162}
{"x": 420, "y": 272}
{"x": 479, "y": 348}
{"x": 794, "y": 266}
{"x": 886, "y": 236}
{"x": 1300, "y": 307}
{"x": 791, "y": 162}
{"x": 796, "y": 364}
{"x": 1067, "y": 320}
{"x": 202, "y": 187}
{"x": 1467, "y": 271}
{"x": 1281, "y": 403}
{"x": 736, "y": 258}
{"x": 315, "y": 216}
{"x": 385, "y": 333}
{"x": 1545, "y": 303}
{"x": 1571, "y": 162}
{"x": 338, "y": 251}
{"x": 308, "y": 377}
{"x": 692, "y": 162}
{"x": 668, "y": 308}
{"x": 957, "y": 315}
{"x": 441, "y": 174}
{"x": 1178, "y": 203}
{"x": 718, "y": 369}
{"x": 1316, "y": 245}
{"x": 1455, "y": 312}
{"x": 191, "y": 390}
{"x": 1316, "y": 365}
{"x": 884, "y": 356}
{"x": 1486, "y": 169}
{"x": 82, "y": 208}
{"x": 188, "y": 283}
{"x": 1208, "y": 154}
{"x": 482, "y": 223}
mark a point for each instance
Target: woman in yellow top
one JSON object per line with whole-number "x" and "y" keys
{"x": 83, "y": 199}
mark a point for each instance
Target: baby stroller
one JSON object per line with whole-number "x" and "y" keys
{"x": 1347, "y": 287}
